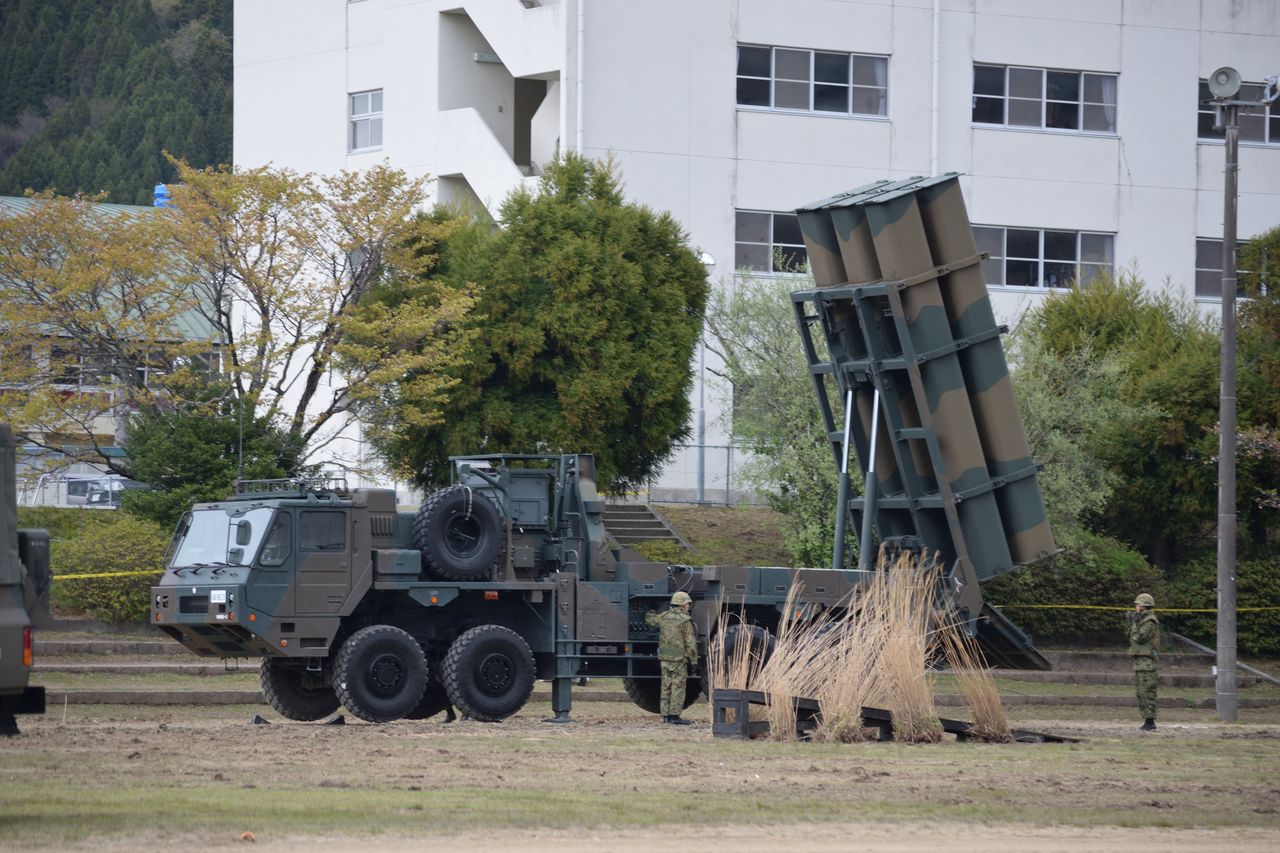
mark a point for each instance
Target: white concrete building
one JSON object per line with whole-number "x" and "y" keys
{"x": 1076, "y": 122}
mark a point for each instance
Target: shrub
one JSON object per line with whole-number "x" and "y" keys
{"x": 108, "y": 542}
{"x": 1257, "y": 585}
{"x": 1096, "y": 570}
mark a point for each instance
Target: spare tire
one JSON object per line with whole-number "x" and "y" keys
{"x": 461, "y": 534}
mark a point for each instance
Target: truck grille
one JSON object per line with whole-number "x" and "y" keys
{"x": 193, "y": 604}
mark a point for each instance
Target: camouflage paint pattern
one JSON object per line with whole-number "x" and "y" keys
{"x": 953, "y": 465}
{"x": 1004, "y": 441}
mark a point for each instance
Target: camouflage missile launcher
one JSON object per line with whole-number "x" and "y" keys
{"x": 24, "y": 598}
{"x": 901, "y": 331}
{"x": 509, "y": 575}
{"x": 504, "y": 577}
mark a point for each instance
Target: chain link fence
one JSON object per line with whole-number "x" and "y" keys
{"x": 704, "y": 474}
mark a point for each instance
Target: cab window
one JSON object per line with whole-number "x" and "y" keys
{"x": 279, "y": 542}
{"x": 322, "y": 530}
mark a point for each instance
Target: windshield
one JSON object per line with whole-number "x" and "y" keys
{"x": 218, "y": 537}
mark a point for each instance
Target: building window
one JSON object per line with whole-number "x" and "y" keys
{"x": 769, "y": 242}
{"x": 1044, "y": 98}
{"x": 1259, "y": 124}
{"x": 813, "y": 81}
{"x": 1209, "y": 271}
{"x": 365, "y": 132}
{"x": 1033, "y": 257}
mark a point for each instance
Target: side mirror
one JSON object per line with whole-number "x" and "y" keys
{"x": 244, "y": 532}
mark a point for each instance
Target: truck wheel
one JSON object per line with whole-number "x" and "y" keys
{"x": 489, "y": 673}
{"x": 761, "y": 642}
{"x": 296, "y": 693}
{"x": 460, "y": 534}
{"x": 647, "y": 692}
{"x": 380, "y": 674}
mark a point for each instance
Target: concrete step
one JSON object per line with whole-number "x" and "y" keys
{"x": 115, "y": 646}
{"x": 55, "y": 698}
{"x": 1167, "y": 679}
{"x": 198, "y": 668}
{"x": 1120, "y": 661}
{"x": 630, "y": 523}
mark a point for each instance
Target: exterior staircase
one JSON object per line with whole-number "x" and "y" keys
{"x": 633, "y": 523}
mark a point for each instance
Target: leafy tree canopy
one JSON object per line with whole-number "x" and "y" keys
{"x": 588, "y": 309}
{"x": 262, "y": 286}
{"x": 190, "y": 457}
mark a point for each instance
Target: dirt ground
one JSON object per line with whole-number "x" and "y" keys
{"x": 115, "y": 778}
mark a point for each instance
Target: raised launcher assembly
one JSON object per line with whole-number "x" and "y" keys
{"x": 913, "y": 357}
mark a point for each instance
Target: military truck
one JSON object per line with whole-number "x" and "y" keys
{"x": 508, "y": 575}
{"x": 24, "y": 597}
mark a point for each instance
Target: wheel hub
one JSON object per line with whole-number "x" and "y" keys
{"x": 386, "y": 673}
{"x": 495, "y": 673}
{"x": 463, "y": 535}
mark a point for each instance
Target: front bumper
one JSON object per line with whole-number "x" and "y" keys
{"x": 210, "y": 620}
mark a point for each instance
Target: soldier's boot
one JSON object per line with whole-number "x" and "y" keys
{"x": 677, "y": 720}
{"x": 666, "y": 718}
{"x": 1148, "y": 725}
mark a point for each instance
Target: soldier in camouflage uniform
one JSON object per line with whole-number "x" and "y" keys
{"x": 677, "y": 651}
{"x": 1144, "y": 631}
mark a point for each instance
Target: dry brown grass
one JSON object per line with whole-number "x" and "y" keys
{"x": 875, "y": 652}
{"x": 990, "y": 722}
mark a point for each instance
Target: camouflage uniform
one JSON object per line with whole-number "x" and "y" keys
{"x": 677, "y": 650}
{"x": 1143, "y": 634}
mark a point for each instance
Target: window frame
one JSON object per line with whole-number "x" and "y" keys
{"x": 850, "y": 84}
{"x": 304, "y": 516}
{"x": 779, "y": 252}
{"x": 1044, "y": 100}
{"x": 1217, "y": 273}
{"x": 1041, "y": 261}
{"x": 370, "y": 119}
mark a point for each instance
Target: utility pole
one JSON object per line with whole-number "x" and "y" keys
{"x": 1225, "y": 680}
{"x": 1224, "y": 85}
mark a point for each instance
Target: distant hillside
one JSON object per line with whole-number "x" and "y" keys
{"x": 92, "y": 91}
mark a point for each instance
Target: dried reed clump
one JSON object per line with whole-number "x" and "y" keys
{"x": 734, "y": 666}
{"x": 794, "y": 670}
{"x": 990, "y": 722}
{"x": 875, "y": 652}
{"x": 899, "y": 603}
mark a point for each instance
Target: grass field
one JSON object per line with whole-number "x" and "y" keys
{"x": 95, "y": 776}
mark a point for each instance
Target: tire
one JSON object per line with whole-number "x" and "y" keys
{"x": 434, "y": 701}
{"x": 296, "y": 693}
{"x": 380, "y": 674}
{"x": 647, "y": 692}
{"x": 461, "y": 534}
{"x": 761, "y": 641}
{"x": 489, "y": 673}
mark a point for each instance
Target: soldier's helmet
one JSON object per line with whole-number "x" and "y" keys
{"x": 681, "y": 598}
{"x": 1145, "y": 600}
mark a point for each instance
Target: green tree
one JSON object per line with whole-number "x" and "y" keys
{"x": 775, "y": 412}
{"x": 588, "y": 315}
{"x": 1070, "y": 403}
{"x": 190, "y": 457}
{"x": 1164, "y": 498}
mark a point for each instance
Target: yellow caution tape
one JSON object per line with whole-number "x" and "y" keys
{"x": 1157, "y": 610}
{"x": 107, "y": 575}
